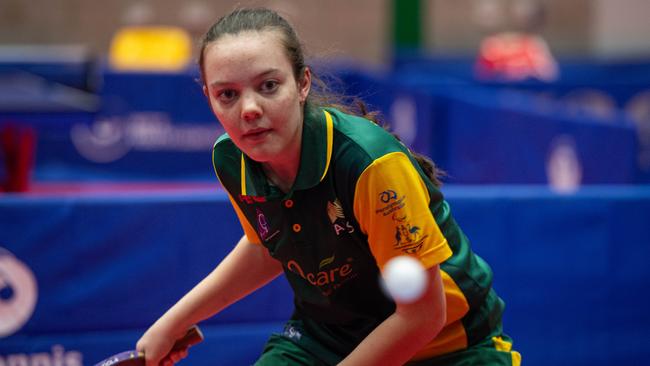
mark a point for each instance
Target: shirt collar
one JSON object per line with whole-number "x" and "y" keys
{"x": 315, "y": 156}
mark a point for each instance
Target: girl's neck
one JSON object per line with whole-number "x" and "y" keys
{"x": 282, "y": 175}
{"x": 282, "y": 172}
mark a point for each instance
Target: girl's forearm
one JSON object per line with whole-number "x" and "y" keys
{"x": 398, "y": 338}
{"x": 247, "y": 268}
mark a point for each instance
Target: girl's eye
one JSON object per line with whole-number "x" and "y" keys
{"x": 269, "y": 86}
{"x": 226, "y": 95}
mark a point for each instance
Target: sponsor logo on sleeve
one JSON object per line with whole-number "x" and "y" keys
{"x": 390, "y": 202}
{"x": 387, "y": 196}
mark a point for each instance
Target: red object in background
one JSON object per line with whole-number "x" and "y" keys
{"x": 512, "y": 56}
{"x": 18, "y": 148}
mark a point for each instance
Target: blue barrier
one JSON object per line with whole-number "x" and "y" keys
{"x": 66, "y": 65}
{"x": 141, "y": 126}
{"x": 159, "y": 126}
{"x": 177, "y": 94}
{"x": 492, "y": 143}
{"x": 571, "y": 268}
{"x": 572, "y": 72}
{"x": 102, "y": 243}
{"x": 600, "y": 90}
{"x": 482, "y": 135}
{"x": 232, "y": 345}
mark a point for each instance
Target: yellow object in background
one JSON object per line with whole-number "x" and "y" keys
{"x": 153, "y": 48}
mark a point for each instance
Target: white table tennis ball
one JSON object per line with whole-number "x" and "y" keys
{"x": 404, "y": 279}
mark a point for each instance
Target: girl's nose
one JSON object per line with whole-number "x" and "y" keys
{"x": 250, "y": 108}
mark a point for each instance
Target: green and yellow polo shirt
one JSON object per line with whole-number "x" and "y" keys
{"x": 359, "y": 199}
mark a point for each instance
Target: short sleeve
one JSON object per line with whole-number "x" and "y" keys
{"x": 391, "y": 204}
{"x": 250, "y": 233}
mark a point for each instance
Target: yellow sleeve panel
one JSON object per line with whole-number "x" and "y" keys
{"x": 251, "y": 234}
{"x": 391, "y": 204}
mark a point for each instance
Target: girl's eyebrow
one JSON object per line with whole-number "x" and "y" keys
{"x": 261, "y": 75}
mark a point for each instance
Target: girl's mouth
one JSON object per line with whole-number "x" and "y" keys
{"x": 257, "y": 134}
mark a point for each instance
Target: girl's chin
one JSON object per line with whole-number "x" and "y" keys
{"x": 260, "y": 155}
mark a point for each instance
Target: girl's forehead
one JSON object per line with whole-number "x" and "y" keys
{"x": 246, "y": 40}
{"x": 238, "y": 55}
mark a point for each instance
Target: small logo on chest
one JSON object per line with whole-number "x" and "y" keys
{"x": 251, "y": 199}
{"x": 337, "y": 218}
{"x": 262, "y": 224}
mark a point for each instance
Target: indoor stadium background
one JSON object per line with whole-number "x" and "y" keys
{"x": 110, "y": 210}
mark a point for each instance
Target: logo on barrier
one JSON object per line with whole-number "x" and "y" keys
{"x": 563, "y": 166}
{"x": 101, "y": 142}
{"x": 57, "y": 356}
{"x": 110, "y": 139}
{"x": 18, "y": 293}
{"x": 404, "y": 115}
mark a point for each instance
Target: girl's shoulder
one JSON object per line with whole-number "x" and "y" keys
{"x": 226, "y": 157}
{"x": 359, "y": 134}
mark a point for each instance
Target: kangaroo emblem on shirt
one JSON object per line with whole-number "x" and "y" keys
{"x": 408, "y": 237}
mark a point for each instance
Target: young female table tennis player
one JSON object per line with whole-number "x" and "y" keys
{"x": 328, "y": 197}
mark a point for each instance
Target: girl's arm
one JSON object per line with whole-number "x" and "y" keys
{"x": 409, "y": 329}
{"x": 247, "y": 268}
{"x": 392, "y": 203}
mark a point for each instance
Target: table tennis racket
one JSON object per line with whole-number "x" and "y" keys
{"x": 135, "y": 358}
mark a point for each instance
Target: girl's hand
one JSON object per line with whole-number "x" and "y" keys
{"x": 173, "y": 357}
{"x": 158, "y": 347}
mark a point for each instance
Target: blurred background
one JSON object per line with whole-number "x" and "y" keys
{"x": 538, "y": 110}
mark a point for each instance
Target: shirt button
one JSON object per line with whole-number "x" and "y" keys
{"x": 288, "y": 203}
{"x": 297, "y": 228}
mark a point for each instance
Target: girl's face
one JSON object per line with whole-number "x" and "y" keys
{"x": 252, "y": 90}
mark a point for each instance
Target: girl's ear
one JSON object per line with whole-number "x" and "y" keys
{"x": 304, "y": 85}
{"x": 205, "y": 91}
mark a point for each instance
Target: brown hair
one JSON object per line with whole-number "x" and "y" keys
{"x": 259, "y": 19}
